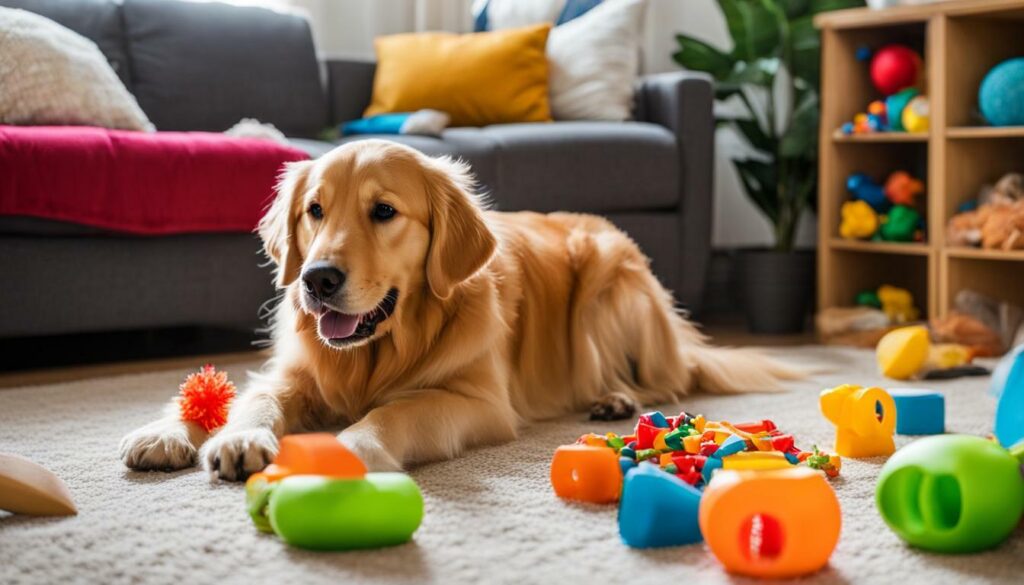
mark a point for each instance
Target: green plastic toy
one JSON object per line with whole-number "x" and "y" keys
{"x": 868, "y": 298}
{"x": 317, "y": 495}
{"x": 900, "y": 224}
{"x": 951, "y": 493}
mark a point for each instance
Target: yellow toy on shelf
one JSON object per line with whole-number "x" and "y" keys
{"x": 860, "y": 221}
{"x": 865, "y": 420}
{"x": 898, "y": 304}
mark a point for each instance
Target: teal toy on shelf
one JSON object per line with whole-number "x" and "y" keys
{"x": 951, "y": 493}
{"x": 318, "y": 495}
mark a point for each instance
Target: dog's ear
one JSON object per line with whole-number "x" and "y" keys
{"x": 277, "y": 228}
{"x": 460, "y": 241}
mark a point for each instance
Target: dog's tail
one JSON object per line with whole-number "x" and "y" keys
{"x": 727, "y": 370}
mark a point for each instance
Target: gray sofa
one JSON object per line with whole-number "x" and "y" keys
{"x": 204, "y": 66}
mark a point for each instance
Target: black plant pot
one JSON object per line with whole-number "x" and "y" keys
{"x": 777, "y": 289}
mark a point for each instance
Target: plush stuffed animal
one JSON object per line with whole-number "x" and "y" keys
{"x": 997, "y": 223}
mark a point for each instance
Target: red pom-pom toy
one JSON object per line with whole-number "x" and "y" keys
{"x": 205, "y": 396}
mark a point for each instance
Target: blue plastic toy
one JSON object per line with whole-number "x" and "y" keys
{"x": 866, "y": 189}
{"x": 1008, "y": 387}
{"x": 658, "y": 509}
{"x": 1001, "y": 95}
{"x": 919, "y": 412}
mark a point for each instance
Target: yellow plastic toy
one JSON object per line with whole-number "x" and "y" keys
{"x": 780, "y": 523}
{"x": 865, "y": 420}
{"x": 916, "y": 115}
{"x": 898, "y": 304}
{"x": 902, "y": 353}
{"x": 756, "y": 460}
{"x": 859, "y": 220}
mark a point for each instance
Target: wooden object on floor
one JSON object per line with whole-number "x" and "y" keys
{"x": 29, "y": 488}
{"x": 960, "y": 42}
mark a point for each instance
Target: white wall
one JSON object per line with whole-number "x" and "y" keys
{"x": 347, "y": 28}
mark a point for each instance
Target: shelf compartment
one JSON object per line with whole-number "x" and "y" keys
{"x": 872, "y": 247}
{"x": 852, "y": 271}
{"x": 973, "y": 163}
{"x": 975, "y": 43}
{"x": 988, "y": 275}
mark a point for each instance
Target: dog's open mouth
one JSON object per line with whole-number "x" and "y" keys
{"x": 340, "y": 328}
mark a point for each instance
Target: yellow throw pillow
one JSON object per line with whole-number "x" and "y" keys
{"x": 478, "y": 79}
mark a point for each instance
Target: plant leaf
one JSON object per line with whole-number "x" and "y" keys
{"x": 801, "y": 138}
{"x": 759, "y": 180}
{"x": 752, "y": 131}
{"x": 697, "y": 55}
{"x": 795, "y": 8}
{"x": 754, "y": 27}
{"x": 819, "y": 6}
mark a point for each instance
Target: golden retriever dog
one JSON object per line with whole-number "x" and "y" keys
{"x": 428, "y": 325}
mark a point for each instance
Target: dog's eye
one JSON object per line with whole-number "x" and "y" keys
{"x": 383, "y": 212}
{"x": 316, "y": 211}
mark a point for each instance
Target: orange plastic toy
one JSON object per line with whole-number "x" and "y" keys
{"x": 778, "y": 523}
{"x": 756, "y": 460}
{"x": 312, "y": 454}
{"x": 586, "y": 473}
{"x": 865, "y": 420}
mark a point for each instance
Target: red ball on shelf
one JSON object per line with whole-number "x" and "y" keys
{"x": 895, "y": 67}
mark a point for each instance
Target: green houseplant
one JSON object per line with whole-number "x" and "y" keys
{"x": 771, "y": 77}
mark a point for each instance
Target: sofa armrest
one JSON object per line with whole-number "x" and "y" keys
{"x": 683, "y": 102}
{"x": 349, "y": 88}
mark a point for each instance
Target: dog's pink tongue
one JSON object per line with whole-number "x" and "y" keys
{"x": 335, "y": 325}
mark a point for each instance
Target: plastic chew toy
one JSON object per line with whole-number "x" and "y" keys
{"x": 859, "y": 221}
{"x": 317, "y": 495}
{"x": 864, "y": 188}
{"x": 897, "y": 303}
{"x": 865, "y": 419}
{"x": 895, "y": 67}
{"x": 901, "y": 353}
{"x": 658, "y": 509}
{"x": 29, "y": 488}
{"x": 586, "y": 473}
{"x": 919, "y": 412}
{"x": 1008, "y": 387}
{"x": 780, "y": 523}
{"x": 951, "y": 493}
{"x": 756, "y": 460}
{"x": 900, "y": 224}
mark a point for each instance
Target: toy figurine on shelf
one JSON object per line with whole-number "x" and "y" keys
{"x": 883, "y": 212}
{"x": 896, "y": 72}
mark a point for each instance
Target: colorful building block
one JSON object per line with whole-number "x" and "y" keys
{"x": 658, "y": 509}
{"x": 586, "y": 473}
{"x": 756, "y": 460}
{"x": 951, "y": 493}
{"x": 780, "y": 523}
{"x": 919, "y": 412}
{"x": 865, "y": 419}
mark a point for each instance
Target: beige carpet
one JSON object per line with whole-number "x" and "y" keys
{"x": 490, "y": 516}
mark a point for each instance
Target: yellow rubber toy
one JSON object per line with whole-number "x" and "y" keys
{"x": 903, "y": 352}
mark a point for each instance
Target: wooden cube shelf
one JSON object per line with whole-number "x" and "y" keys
{"x": 960, "y": 42}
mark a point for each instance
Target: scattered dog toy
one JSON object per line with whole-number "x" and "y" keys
{"x": 859, "y": 221}
{"x": 898, "y": 304}
{"x": 951, "y": 493}
{"x": 587, "y": 473}
{"x": 318, "y": 495}
{"x": 865, "y": 419}
{"x": 779, "y": 523}
{"x": 903, "y": 352}
{"x": 658, "y": 509}
{"x": 1008, "y": 386}
{"x": 29, "y": 488}
{"x": 919, "y": 412}
{"x": 205, "y": 397}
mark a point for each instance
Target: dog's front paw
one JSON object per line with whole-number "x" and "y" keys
{"x": 614, "y": 406}
{"x": 369, "y": 450}
{"x": 162, "y": 444}
{"x": 235, "y": 455}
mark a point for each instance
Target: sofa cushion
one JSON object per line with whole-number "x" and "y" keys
{"x": 97, "y": 20}
{"x": 576, "y": 166}
{"x": 585, "y": 166}
{"x": 204, "y": 66}
{"x": 468, "y": 144}
{"x": 138, "y": 182}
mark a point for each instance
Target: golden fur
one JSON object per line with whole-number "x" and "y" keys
{"x": 501, "y": 318}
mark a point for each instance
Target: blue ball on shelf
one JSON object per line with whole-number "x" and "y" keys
{"x": 1001, "y": 95}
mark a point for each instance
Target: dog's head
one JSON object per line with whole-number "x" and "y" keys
{"x": 367, "y": 226}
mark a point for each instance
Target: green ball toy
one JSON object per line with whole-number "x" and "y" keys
{"x": 951, "y": 493}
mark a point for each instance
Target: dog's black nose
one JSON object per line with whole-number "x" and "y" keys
{"x": 322, "y": 280}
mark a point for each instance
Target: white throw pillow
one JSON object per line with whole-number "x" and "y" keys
{"x": 595, "y": 61}
{"x": 52, "y": 75}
